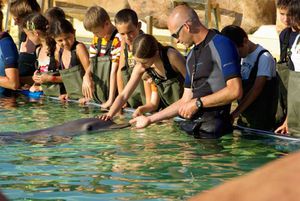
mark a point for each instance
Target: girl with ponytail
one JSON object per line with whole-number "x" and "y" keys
{"x": 36, "y": 28}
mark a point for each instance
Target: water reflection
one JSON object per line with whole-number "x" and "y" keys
{"x": 8, "y": 102}
{"x": 159, "y": 163}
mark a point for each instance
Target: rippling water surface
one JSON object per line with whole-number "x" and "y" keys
{"x": 157, "y": 163}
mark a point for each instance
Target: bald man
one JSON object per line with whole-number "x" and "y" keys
{"x": 212, "y": 78}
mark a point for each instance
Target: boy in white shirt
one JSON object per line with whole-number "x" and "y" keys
{"x": 257, "y": 107}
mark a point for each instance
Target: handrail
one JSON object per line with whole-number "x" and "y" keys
{"x": 209, "y": 7}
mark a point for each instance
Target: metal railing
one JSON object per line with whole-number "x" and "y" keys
{"x": 209, "y": 7}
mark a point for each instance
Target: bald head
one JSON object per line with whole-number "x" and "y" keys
{"x": 180, "y": 15}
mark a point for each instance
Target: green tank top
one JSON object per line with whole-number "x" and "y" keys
{"x": 72, "y": 76}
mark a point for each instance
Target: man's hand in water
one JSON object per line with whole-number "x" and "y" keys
{"x": 140, "y": 121}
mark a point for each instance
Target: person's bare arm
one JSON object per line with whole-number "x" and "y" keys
{"x": 177, "y": 61}
{"x": 251, "y": 96}
{"x": 120, "y": 84}
{"x": 126, "y": 93}
{"x": 231, "y": 92}
{"x": 87, "y": 84}
{"x": 152, "y": 101}
{"x": 283, "y": 129}
{"x": 83, "y": 55}
{"x": 169, "y": 112}
{"x": 46, "y": 78}
{"x": 112, "y": 85}
{"x": 11, "y": 80}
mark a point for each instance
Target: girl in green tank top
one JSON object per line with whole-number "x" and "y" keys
{"x": 169, "y": 70}
{"x": 73, "y": 58}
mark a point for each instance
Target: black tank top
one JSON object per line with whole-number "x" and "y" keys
{"x": 74, "y": 59}
{"x": 170, "y": 73}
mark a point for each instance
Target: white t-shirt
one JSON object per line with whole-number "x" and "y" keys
{"x": 295, "y": 57}
{"x": 266, "y": 64}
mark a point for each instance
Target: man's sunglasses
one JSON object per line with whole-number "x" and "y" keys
{"x": 176, "y": 34}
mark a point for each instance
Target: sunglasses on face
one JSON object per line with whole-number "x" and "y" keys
{"x": 176, "y": 34}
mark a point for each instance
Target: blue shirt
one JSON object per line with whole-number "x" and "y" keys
{"x": 210, "y": 64}
{"x": 292, "y": 36}
{"x": 8, "y": 55}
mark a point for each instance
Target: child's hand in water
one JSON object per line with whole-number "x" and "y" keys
{"x": 83, "y": 101}
{"x": 137, "y": 112}
{"x": 105, "y": 117}
{"x": 283, "y": 129}
{"x": 63, "y": 97}
{"x": 140, "y": 121}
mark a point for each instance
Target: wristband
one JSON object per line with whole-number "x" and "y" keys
{"x": 199, "y": 103}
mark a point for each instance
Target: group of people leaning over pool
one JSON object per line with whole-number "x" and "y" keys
{"x": 126, "y": 68}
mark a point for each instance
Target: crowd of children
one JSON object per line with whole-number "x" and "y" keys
{"x": 126, "y": 68}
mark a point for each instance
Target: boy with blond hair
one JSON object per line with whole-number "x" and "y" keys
{"x": 99, "y": 81}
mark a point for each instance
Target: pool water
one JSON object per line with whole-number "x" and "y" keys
{"x": 157, "y": 163}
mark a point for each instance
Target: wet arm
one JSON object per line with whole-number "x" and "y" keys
{"x": 126, "y": 93}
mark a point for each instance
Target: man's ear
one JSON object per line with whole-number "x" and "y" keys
{"x": 187, "y": 26}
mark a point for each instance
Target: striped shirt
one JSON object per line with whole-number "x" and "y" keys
{"x": 115, "y": 48}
